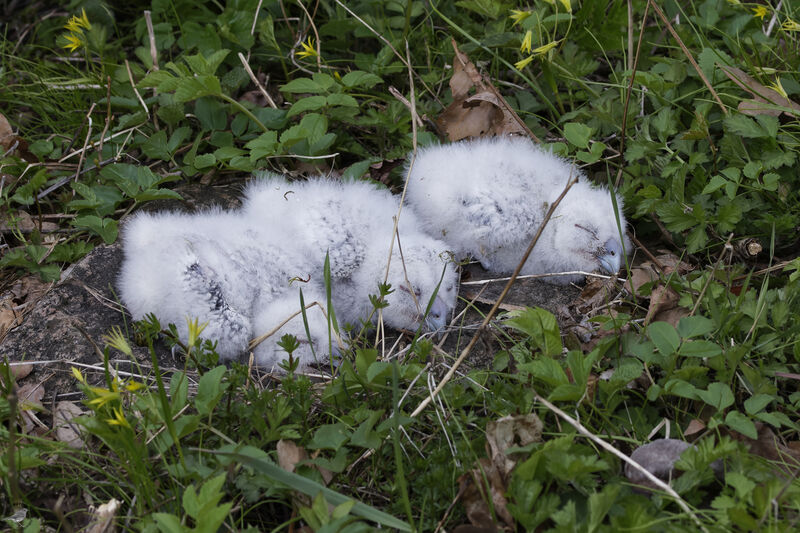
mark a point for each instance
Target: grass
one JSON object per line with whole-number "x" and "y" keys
{"x": 688, "y": 108}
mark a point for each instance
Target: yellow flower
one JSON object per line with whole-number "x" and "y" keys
{"x": 73, "y": 42}
{"x": 778, "y": 88}
{"x": 545, "y": 48}
{"x": 195, "y": 330}
{"x": 790, "y": 25}
{"x": 133, "y": 386}
{"x": 526, "y": 42}
{"x": 76, "y": 24}
{"x": 308, "y": 49}
{"x": 78, "y": 375}
{"x": 118, "y": 419}
{"x": 760, "y": 11}
{"x": 518, "y": 16}
{"x": 567, "y": 5}
{"x": 115, "y": 339}
{"x": 102, "y": 397}
{"x": 519, "y": 65}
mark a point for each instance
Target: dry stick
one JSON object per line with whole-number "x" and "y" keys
{"x": 629, "y": 90}
{"x": 630, "y": 34}
{"x": 547, "y": 275}
{"x": 403, "y": 100}
{"x": 688, "y": 54}
{"x": 255, "y": 19}
{"x": 152, "y": 37}
{"x": 603, "y": 444}
{"x": 135, "y": 90}
{"x": 450, "y": 373}
{"x": 255, "y": 80}
{"x": 316, "y": 33}
{"x": 108, "y": 116}
{"x": 85, "y": 142}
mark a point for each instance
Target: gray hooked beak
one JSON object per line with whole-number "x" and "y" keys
{"x": 610, "y": 256}
{"x": 437, "y": 317}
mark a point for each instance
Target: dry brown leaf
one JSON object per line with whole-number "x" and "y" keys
{"x": 473, "y": 496}
{"x": 289, "y": 454}
{"x": 67, "y": 431}
{"x": 761, "y": 95}
{"x": 662, "y": 299}
{"x": 20, "y": 371}
{"x": 757, "y": 106}
{"x": 30, "y": 401}
{"x": 768, "y": 446}
{"x": 9, "y": 318}
{"x": 695, "y": 426}
{"x": 7, "y": 136}
{"x": 511, "y": 431}
{"x": 485, "y": 113}
{"x": 102, "y": 520}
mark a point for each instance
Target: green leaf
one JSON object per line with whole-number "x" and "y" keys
{"x": 204, "y": 161}
{"x": 302, "y": 85}
{"x": 694, "y": 326}
{"x": 757, "y": 402}
{"x": 168, "y": 523}
{"x": 105, "y": 227}
{"x": 718, "y": 395}
{"x": 744, "y": 126}
{"x": 364, "y": 436}
{"x": 739, "y": 422}
{"x": 360, "y": 79}
{"x": 264, "y": 145}
{"x": 340, "y": 99}
{"x": 715, "y": 183}
{"x": 156, "y": 146}
{"x": 310, "y": 103}
{"x": 209, "y": 390}
{"x": 312, "y": 488}
{"x": 227, "y": 152}
{"x": 665, "y": 337}
{"x": 547, "y": 370}
{"x": 540, "y": 325}
{"x": 577, "y": 134}
{"x": 700, "y": 348}
{"x": 329, "y": 437}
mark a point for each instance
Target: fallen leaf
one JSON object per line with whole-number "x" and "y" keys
{"x": 20, "y": 371}
{"x": 484, "y": 113}
{"x": 472, "y": 493}
{"x": 768, "y": 446}
{"x": 695, "y": 426}
{"x": 67, "y": 431}
{"x": 10, "y": 142}
{"x": 762, "y": 96}
{"x": 662, "y": 299}
{"x": 102, "y": 520}
{"x": 508, "y": 432}
{"x": 289, "y": 454}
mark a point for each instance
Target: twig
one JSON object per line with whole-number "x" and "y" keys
{"x": 258, "y": 340}
{"x": 424, "y": 403}
{"x": 108, "y": 115}
{"x": 255, "y": 80}
{"x": 255, "y": 18}
{"x": 544, "y": 275}
{"x": 85, "y": 141}
{"x": 688, "y": 54}
{"x": 403, "y": 100}
{"x": 135, "y": 90}
{"x": 603, "y": 444}
{"x": 152, "y": 37}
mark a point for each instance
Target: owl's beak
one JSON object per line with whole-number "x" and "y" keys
{"x": 610, "y": 256}
{"x": 437, "y": 317}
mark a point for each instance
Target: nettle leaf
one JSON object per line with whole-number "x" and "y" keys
{"x": 745, "y": 126}
{"x": 578, "y": 134}
{"x": 360, "y": 79}
{"x": 676, "y": 217}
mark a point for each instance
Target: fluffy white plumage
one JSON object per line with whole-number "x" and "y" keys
{"x": 232, "y": 269}
{"x": 486, "y": 199}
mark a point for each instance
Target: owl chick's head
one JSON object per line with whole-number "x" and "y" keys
{"x": 415, "y": 275}
{"x": 586, "y": 231}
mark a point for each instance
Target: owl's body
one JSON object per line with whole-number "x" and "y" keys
{"x": 240, "y": 271}
{"x": 487, "y": 198}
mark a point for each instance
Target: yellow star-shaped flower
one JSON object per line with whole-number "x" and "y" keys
{"x": 73, "y": 42}
{"x": 760, "y": 11}
{"x": 308, "y": 49}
